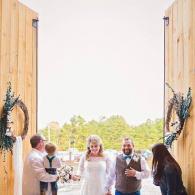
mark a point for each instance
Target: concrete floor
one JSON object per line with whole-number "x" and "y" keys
{"x": 73, "y": 188}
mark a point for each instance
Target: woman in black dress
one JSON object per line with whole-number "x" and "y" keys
{"x": 166, "y": 172}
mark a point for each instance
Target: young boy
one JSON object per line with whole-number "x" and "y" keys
{"x": 51, "y": 163}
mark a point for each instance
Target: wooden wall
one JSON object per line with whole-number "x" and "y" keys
{"x": 180, "y": 74}
{"x": 18, "y": 64}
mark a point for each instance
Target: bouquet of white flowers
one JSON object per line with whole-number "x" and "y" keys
{"x": 64, "y": 173}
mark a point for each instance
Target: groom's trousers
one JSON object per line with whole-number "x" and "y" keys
{"x": 132, "y": 193}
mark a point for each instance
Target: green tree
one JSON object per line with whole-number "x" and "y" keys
{"x": 111, "y": 130}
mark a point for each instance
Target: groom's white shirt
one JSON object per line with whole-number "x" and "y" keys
{"x": 144, "y": 173}
{"x": 34, "y": 172}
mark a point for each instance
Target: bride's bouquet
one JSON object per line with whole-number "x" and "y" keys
{"x": 64, "y": 173}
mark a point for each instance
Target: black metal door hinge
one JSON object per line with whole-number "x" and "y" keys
{"x": 35, "y": 23}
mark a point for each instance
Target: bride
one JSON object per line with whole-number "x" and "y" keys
{"x": 94, "y": 167}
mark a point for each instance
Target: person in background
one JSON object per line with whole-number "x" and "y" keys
{"x": 128, "y": 171}
{"x": 51, "y": 162}
{"x": 166, "y": 171}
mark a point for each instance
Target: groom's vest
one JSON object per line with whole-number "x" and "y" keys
{"x": 123, "y": 183}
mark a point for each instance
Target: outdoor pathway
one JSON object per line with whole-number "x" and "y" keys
{"x": 147, "y": 189}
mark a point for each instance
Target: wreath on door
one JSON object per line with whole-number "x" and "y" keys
{"x": 7, "y": 137}
{"x": 179, "y": 105}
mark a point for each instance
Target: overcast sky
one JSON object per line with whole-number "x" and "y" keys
{"x": 100, "y": 58}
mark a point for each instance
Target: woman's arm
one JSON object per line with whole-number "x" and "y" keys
{"x": 110, "y": 175}
{"x": 81, "y": 168}
{"x": 108, "y": 165}
{"x": 145, "y": 170}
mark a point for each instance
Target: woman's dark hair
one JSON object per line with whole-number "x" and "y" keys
{"x": 161, "y": 156}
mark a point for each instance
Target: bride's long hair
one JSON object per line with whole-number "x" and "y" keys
{"x": 96, "y": 139}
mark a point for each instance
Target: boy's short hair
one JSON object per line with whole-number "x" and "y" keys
{"x": 50, "y": 148}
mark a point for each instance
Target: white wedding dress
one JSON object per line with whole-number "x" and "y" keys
{"x": 94, "y": 172}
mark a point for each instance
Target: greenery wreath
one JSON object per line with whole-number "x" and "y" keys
{"x": 181, "y": 106}
{"x": 7, "y": 137}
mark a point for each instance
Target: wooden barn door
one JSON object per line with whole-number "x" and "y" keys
{"x": 18, "y": 64}
{"x": 180, "y": 74}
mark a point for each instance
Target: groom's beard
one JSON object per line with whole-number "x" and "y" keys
{"x": 127, "y": 151}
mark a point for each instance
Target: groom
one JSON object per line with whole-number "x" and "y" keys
{"x": 128, "y": 171}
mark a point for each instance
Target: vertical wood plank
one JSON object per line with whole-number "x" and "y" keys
{"x": 29, "y": 69}
{"x": 173, "y": 66}
{"x": 13, "y": 66}
{"x": 179, "y": 70}
{"x": 170, "y": 49}
{"x": 1, "y": 166}
{"x": 167, "y": 55}
{"x": 13, "y": 71}
{"x": 34, "y": 110}
{"x": 21, "y": 62}
{"x": 187, "y": 135}
{"x": 192, "y": 84}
